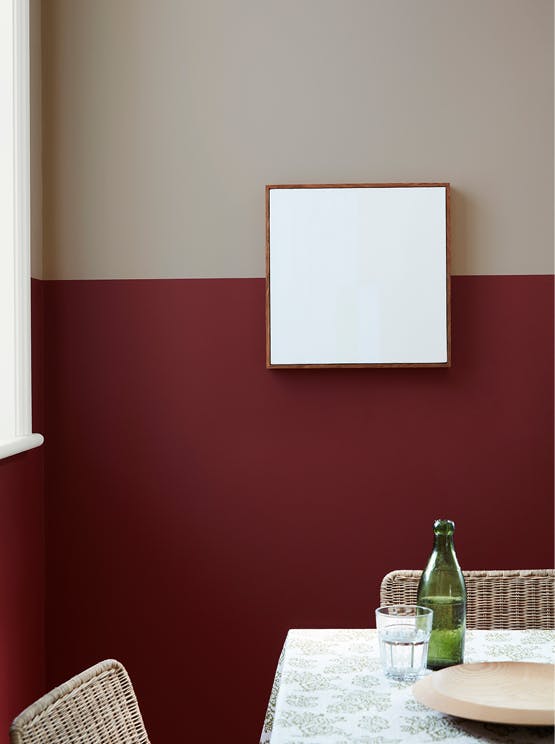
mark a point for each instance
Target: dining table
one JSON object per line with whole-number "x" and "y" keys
{"x": 329, "y": 688}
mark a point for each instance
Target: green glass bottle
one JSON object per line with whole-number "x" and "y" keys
{"x": 442, "y": 589}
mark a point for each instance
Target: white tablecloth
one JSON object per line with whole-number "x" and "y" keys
{"x": 329, "y": 689}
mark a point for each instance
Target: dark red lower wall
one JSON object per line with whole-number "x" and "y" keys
{"x": 200, "y": 505}
{"x": 22, "y": 573}
{"x": 22, "y": 656}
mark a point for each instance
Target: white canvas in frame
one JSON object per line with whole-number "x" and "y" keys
{"x": 358, "y": 275}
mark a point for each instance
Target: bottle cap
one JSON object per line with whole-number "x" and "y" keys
{"x": 444, "y": 527}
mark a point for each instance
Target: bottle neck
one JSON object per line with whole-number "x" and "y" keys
{"x": 444, "y": 550}
{"x": 444, "y": 543}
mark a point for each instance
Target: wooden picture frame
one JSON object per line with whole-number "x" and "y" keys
{"x": 325, "y": 233}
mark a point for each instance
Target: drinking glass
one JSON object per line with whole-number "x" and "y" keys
{"x": 404, "y": 634}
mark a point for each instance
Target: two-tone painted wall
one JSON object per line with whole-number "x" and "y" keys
{"x": 197, "y": 504}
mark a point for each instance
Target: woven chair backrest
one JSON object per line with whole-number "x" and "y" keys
{"x": 97, "y": 706}
{"x": 495, "y": 599}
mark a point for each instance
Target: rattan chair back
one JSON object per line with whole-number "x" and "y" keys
{"x": 97, "y": 706}
{"x": 495, "y": 599}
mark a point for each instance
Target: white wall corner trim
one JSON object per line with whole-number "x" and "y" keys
{"x": 15, "y": 262}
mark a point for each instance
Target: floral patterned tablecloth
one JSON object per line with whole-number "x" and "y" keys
{"x": 329, "y": 689}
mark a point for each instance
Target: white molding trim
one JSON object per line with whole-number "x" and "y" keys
{"x": 20, "y": 444}
{"x": 22, "y": 219}
{"x": 16, "y": 393}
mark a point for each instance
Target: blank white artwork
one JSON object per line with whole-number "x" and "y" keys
{"x": 358, "y": 275}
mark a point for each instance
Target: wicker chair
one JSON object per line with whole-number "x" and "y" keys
{"x": 495, "y": 599}
{"x": 96, "y": 706}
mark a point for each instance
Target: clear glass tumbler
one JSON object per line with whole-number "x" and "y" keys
{"x": 404, "y": 635}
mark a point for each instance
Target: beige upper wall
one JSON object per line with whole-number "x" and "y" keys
{"x": 164, "y": 120}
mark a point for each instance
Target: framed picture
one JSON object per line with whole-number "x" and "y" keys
{"x": 357, "y": 275}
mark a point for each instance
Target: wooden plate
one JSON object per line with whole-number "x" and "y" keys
{"x": 510, "y": 692}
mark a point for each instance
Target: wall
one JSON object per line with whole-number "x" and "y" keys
{"x": 164, "y": 122}
{"x": 21, "y": 584}
{"x": 199, "y": 505}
